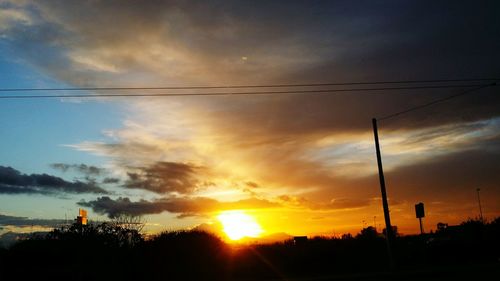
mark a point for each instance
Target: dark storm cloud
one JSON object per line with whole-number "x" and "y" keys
{"x": 87, "y": 170}
{"x": 396, "y": 41}
{"x": 448, "y": 176}
{"x": 164, "y": 177}
{"x": 14, "y": 182}
{"x": 278, "y": 119}
{"x": 6, "y": 220}
{"x": 417, "y": 40}
{"x": 184, "y": 206}
{"x": 299, "y": 41}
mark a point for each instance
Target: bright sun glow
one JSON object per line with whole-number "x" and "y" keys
{"x": 238, "y": 224}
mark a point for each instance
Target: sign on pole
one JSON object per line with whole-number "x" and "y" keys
{"x": 420, "y": 213}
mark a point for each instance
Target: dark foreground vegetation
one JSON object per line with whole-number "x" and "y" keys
{"x": 107, "y": 251}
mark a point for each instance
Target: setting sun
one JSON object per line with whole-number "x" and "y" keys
{"x": 238, "y": 224}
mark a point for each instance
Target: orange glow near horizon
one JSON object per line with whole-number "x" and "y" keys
{"x": 237, "y": 224}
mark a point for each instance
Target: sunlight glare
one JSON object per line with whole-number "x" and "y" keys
{"x": 238, "y": 224}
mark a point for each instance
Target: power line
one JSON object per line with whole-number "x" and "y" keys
{"x": 287, "y": 92}
{"x": 436, "y": 101}
{"x": 247, "y": 86}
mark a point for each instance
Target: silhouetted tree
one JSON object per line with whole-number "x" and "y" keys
{"x": 129, "y": 222}
{"x": 367, "y": 233}
{"x": 112, "y": 251}
{"x": 346, "y": 236}
{"x": 106, "y": 233}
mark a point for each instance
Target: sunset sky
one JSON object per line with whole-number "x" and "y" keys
{"x": 299, "y": 164}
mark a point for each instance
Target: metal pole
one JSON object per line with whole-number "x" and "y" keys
{"x": 480, "y": 209}
{"x": 385, "y": 204}
{"x": 421, "y": 226}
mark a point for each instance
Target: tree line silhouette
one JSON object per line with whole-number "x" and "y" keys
{"x": 118, "y": 251}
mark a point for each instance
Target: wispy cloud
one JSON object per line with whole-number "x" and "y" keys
{"x": 87, "y": 170}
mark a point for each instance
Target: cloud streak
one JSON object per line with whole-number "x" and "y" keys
{"x": 6, "y": 220}
{"x": 183, "y": 206}
{"x": 13, "y": 181}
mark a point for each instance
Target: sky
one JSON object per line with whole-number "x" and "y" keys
{"x": 298, "y": 164}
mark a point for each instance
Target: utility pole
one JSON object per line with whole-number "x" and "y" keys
{"x": 421, "y": 226}
{"x": 385, "y": 204}
{"x": 479, "y": 202}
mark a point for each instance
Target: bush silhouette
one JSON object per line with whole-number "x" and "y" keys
{"x": 112, "y": 251}
{"x": 185, "y": 255}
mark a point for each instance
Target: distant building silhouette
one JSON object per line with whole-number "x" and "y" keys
{"x": 449, "y": 229}
{"x": 441, "y": 226}
{"x": 81, "y": 219}
{"x": 299, "y": 240}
